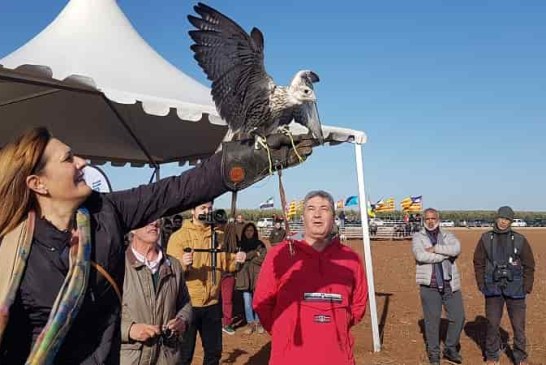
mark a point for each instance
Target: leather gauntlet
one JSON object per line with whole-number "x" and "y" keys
{"x": 247, "y": 161}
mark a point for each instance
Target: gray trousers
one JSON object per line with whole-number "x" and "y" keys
{"x": 494, "y": 306}
{"x": 432, "y": 301}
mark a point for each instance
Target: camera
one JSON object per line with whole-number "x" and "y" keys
{"x": 217, "y": 216}
{"x": 166, "y": 333}
{"x": 502, "y": 272}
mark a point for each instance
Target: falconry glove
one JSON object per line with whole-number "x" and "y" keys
{"x": 248, "y": 161}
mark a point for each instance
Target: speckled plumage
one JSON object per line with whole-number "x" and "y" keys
{"x": 244, "y": 94}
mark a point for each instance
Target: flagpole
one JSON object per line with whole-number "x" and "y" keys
{"x": 367, "y": 248}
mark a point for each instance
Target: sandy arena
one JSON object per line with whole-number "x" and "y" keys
{"x": 399, "y": 311}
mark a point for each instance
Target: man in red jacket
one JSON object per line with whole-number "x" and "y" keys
{"x": 310, "y": 293}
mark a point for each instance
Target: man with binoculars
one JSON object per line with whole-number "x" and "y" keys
{"x": 504, "y": 266}
{"x": 195, "y": 245}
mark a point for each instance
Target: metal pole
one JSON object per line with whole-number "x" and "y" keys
{"x": 367, "y": 249}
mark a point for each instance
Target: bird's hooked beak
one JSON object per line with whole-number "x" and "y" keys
{"x": 302, "y": 86}
{"x": 305, "y": 77}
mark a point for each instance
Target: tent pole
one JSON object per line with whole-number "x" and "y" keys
{"x": 367, "y": 248}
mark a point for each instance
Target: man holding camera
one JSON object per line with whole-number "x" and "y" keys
{"x": 437, "y": 274}
{"x": 203, "y": 282}
{"x": 156, "y": 303}
{"x": 504, "y": 266}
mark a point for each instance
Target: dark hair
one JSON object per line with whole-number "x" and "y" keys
{"x": 248, "y": 244}
{"x": 255, "y": 236}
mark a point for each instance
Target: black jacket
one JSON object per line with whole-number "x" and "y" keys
{"x": 277, "y": 235}
{"x": 94, "y": 337}
{"x": 526, "y": 256}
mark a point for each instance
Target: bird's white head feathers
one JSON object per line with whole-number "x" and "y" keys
{"x": 301, "y": 87}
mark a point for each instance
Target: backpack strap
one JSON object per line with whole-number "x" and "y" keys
{"x": 490, "y": 248}
{"x": 108, "y": 277}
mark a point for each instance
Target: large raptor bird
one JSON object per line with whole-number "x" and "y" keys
{"x": 246, "y": 97}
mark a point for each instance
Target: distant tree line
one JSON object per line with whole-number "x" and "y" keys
{"x": 354, "y": 215}
{"x": 454, "y": 215}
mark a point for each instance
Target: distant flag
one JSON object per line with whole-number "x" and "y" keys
{"x": 291, "y": 211}
{"x": 385, "y": 206}
{"x": 406, "y": 202}
{"x": 295, "y": 207}
{"x": 352, "y": 200}
{"x": 269, "y": 203}
{"x": 339, "y": 204}
{"x": 371, "y": 209}
{"x": 412, "y": 204}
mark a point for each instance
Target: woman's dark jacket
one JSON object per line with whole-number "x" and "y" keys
{"x": 95, "y": 334}
{"x": 247, "y": 276}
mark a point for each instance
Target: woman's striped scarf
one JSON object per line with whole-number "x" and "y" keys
{"x": 14, "y": 251}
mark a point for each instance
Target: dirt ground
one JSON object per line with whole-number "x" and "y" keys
{"x": 400, "y": 316}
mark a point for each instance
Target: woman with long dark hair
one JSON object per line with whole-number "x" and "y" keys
{"x": 248, "y": 275}
{"x": 61, "y": 245}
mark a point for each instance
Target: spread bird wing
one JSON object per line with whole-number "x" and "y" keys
{"x": 234, "y": 61}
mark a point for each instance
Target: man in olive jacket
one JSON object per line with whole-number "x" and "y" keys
{"x": 504, "y": 266}
{"x": 156, "y": 304}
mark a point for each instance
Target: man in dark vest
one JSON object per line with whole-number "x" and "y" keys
{"x": 504, "y": 266}
{"x": 278, "y": 234}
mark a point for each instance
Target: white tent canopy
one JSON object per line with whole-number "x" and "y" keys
{"x": 97, "y": 85}
{"x": 90, "y": 77}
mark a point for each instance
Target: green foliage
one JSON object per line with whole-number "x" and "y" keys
{"x": 454, "y": 215}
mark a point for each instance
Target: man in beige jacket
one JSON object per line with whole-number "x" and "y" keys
{"x": 436, "y": 272}
{"x": 156, "y": 305}
{"x": 204, "y": 292}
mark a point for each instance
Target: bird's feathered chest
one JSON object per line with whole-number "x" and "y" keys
{"x": 282, "y": 106}
{"x": 267, "y": 115}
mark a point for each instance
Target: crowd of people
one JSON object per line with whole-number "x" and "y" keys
{"x": 85, "y": 278}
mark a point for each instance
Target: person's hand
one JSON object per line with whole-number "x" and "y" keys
{"x": 248, "y": 161}
{"x": 240, "y": 257}
{"x": 178, "y": 325}
{"x": 187, "y": 258}
{"x": 142, "y": 332}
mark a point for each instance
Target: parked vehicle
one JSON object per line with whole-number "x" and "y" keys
{"x": 519, "y": 223}
{"x": 479, "y": 223}
{"x": 447, "y": 223}
{"x": 537, "y": 222}
{"x": 264, "y": 223}
{"x": 377, "y": 222}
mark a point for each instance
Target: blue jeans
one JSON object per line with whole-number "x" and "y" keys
{"x": 250, "y": 315}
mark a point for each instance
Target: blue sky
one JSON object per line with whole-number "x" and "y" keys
{"x": 452, "y": 94}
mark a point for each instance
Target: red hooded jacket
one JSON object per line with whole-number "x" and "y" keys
{"x": 308, "y": 301}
